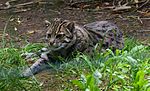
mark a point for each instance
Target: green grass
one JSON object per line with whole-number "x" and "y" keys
{"x": 124, "y": 70}
{"x": 11, "y": 65}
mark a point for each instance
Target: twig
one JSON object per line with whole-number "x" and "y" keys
{"x": 140, "y": 20}
{"x": 16, "y": 6}
{"x": 126, "y": 3}
{"x": 22, "y": 10}
{"x": 120, "y": 3}
{"x": 75, "y": 4}
{"x": 122, "y": 8}
{"x": 23, "y": 4}
{"x": 134, "y": 3}
{"x": 141, "y": 31}
{"x": 145, "y": 18}
{"x": 147, "y": 1}
{"x": 4, "y": 32}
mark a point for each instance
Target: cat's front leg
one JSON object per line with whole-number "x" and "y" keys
{"x": 41, "y": 64}
{"x": 30, "y": 55}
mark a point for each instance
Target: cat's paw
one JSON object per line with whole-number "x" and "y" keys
{"x": 28, "y": 55}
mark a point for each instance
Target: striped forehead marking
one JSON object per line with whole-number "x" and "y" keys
{"x": 59, "y": 26}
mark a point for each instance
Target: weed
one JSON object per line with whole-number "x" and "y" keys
{"x": 122, "y": 70}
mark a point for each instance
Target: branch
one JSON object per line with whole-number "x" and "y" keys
{"x": 8, "y": 6}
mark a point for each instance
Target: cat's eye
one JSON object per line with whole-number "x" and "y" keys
{"x": 59, "y": 35}
{"x": 48, "y": 35}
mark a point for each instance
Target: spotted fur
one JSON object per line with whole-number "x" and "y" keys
{"x": 66, "y": 37}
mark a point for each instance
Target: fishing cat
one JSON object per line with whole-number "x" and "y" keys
{"x": 65, "y": 37}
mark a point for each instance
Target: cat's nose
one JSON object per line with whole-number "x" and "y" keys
{"x": 51, "y": 41}
{"x": 46, "y": 39}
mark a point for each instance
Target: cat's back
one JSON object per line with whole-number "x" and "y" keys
{"x": 108, "y": 32}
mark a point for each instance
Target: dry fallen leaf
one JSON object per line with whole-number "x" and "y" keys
{"x": 15, "y": 29}
{"x": 147, "y": 14}
{"x": 31, "y": 32}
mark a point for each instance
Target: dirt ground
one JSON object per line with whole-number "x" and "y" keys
{"x": 28, "y": 26}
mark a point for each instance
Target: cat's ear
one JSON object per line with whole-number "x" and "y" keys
{"x": 47, "y": 23}
{"x": 70, "y": 26}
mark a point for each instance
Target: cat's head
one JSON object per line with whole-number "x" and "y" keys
{"x": 60, "y": 34}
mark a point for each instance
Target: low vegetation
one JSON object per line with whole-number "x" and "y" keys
{"x": 122, "y": 70}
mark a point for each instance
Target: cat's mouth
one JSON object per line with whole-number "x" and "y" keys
{"x": 58, "y": 47}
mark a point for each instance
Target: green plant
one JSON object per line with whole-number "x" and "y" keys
{"x": 11, "y": 67}
{"x": 122, "y": 70}
{"x": 89, "y": 82}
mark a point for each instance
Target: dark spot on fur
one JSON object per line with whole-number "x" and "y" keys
{"x": 103, "y": 26}
{"x": 110, "y": 34}
{"x": 105, "y": 45}
{"x": 112, "y": 39}
{"x": 99, "y": 36}
{"x": 41, "y": 62}
{"x": 117, "y": 42}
